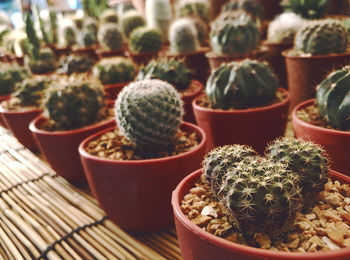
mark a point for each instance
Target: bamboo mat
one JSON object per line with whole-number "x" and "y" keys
{"x": 42, "y": 216}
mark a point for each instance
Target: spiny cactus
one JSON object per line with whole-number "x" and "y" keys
{"x": 321, "y": 37}
{"x": 109, "y": 16}
{"x": 87, "y": 38}
{"x": 110, "y": 37}
{"x": 261, "y": 195}
{"x": 197, "y": 8}
{"x": 94, "y": 8}
{"x": 333, "y": 98}
{"x": 145, "y": 40}
{"x": 240, "y": 85}
{"x": 132, "y": 20}
{"x": 90, "y": 24}
{"x": 149, "y": 113}
{"x": 202, "y": 30}
{"x": 158, "y": 15}
{"x": 44, "y": 63}
{"x": 68, "y": 35}
{"x": 78, "y": 103}
{"x": 284, "y": 27}
{"x": 309, "y": 9}
{"x": 233, "y": 36}
{"x": 33, "y": 40}
{"x": 218, "y": 161}
{"x": 114, "y": 70}
{"x": 10, "y": 75}
{"x": 32, "y": 91}
{"x": 251, "y": 7}
{"x": 76, "y": 63}
{"x": 53, "y": 27}
{"x": 305, "y": 159}
{"x": 172, "y": 71}
{"x": 183, "y": 36}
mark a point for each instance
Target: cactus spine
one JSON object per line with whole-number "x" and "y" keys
{"x": 145, "y": 40}
{"x": 110, "y": 37}
{"x": 183, "y": 36}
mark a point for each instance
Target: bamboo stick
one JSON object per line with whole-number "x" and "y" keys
{"x": 167, "y": 243}
{"x": 11, "y": 249}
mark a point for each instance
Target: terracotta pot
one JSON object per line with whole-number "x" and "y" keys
{"x": 61, "y": 51}
{"x": 136, "y": 194}
{"x": 188, "y": 99}
{"x": 112, "y": 90}
{"x": 2, "y": 120}
{"x": 304, "y": 73}
{"x": 254, "y": 126}
{"x": 140, "y": 59}
{"x": 90, "y": 51}
{"x": 60, "y": 148}
{"x": 197, "y": 244}
{"x": 101, "y": 53}
{"x": 275, "y": 59}
{"x": 336, "y": 142}
{"x": 18, "y": 123}
{"x": 19, "y": 60}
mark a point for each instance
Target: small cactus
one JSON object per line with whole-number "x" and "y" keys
{"x": 132, "y": 20}
{"x": 110, "y": 37}
{"x": 240, "y": 85}
{"x": 87, "y": 38}
{"x": 183, "y": 36}
{"x": 172, "y": 71}
{"x": 68, "y": 35}
{"x": 309, "y": 9}
{"x": 44, "y": 63}
{"x": 76, "y": 104}
{"x": 202, "y": 30}
{"x": 198, "y": 8}
{"x": 149, "y": 113}
{"x": 109, "y": 16}
{"x": 114, "y": 70}
{"x": 90, "y": 24}
{"x": 159, "y": 15}
{"x": 10, "y": 75}
{"x": 321, "y": 37}
{"x": 333, "y": 98}
{"x": 76, "y": 64}
{"x": 145, "y": 40}
{"x": 251, "y": 7}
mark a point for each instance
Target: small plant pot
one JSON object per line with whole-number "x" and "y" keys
{"x": 61, "y": 51}
{"x": 188, "y": 99}
{"x": 136, "y": 194}
{"x": 18, "y": 123}
{"x": 140, "y": 59}
{"x": 304, "y": 73}
{"x": 19, "y": 60}
{"x": 254, "y": 126}
{"x": 60, "y": 148}
{"x": 101, "y": 53}
{"x": 2, "y": 120}
{"x": 112, "y": 90}
{"x": 336, "y": 142}
{"x": 197, "y": 244}
{"x": 90, "y": 51}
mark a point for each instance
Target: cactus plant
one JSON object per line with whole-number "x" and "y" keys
{"x": 159, "y": 15}
{"x": 321, "y": 37}
{"x": 76, "y": 104}
{"x": 183, "y": 36}
{"x": 251, "y": 7}
{"x": 233, "y": 36}
{"x": 145, "y": 40}
{"x": 240, "y": 85}
{"x": 304, "y": 158}
{"x": 199, "y": 8}
{"x": 87, "y": 38}
{"x": 44, "y": 63}
{"x": 132, "y": 20}
{"x": 202, "y": 30}
{"x": 109, "y": 16}
{"x": 172, "y": 71}
{"x": 309, "y": 9}
{"x": 284, "y": 27}
{"x": 53, "y": 27}
{"x": 76, "y": 63}
{"x": 68, "y": 35}
{"x": 149, "y": 113}
{"x": 114, "y": 70}
{"x": 10, "y": 75}
{"x": 90, "y": 24}
{"x": 110, "y": 37}
{"x": 333, "y": 98}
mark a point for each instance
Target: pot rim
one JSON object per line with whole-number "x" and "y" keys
{"x": 201, "y": 49}
{"x": 296, "y": 119}
{"x": 283, "y": 44}
{"x": 95, "y": 158}
{"x": 260, "y": 50}
{"x": 242, "y": 111}
{"x": 287, "y": 54}
{"x": 194, "y": 82}
{"x": 244, "y": 249}
{"x": 116, "y": 85}
{"x": 18, "y": 111}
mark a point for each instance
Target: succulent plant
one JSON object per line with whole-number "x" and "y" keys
{"x": 149, "y": 113}
{"x": 94, "y": 8}
{"x": 202, "y": 30}
{"x": 197, "y": 8}
{"x": 145, "y": 40}
{"x": 76, "y": 64}
{"x": 321, "y": 37}
{"x": 284, "y": 27}
{"x": 218, "y": 161}
{"x": 309, "y": 9}
{"x": 233, "y": 36}
{"x": 68, "y": 35}
{"x": 10, "y": 75}
{"x": 240, "y": 85}
{"x": 304, "y": 158}
{"x": 44, "y": 63}
{"x": 110, "y": 37}
{"x": 4, "y": 30}
{"x": 333, "y": 98}
{"x": 172, "y": 71}
{"x": 53, "y": 27}
{"x": 261, "y": 196}
{"x": 109, "y": 16}
{"x": 159, "y": 15}
{"x": 115, "y": 70}
{"x": 76, "y": 104}
{"x": 251, "y": 7}
{"x": 132, "y": 20}
{"x": 183, "y": 36}
{"x": 32, "y": 91}
{"x": 90, "y": 24}
{"x": 87, "y": 38}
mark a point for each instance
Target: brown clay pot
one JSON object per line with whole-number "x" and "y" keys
{"x": 112, "y": 90}
{"x": 304, "y": 73}
{"x": 188, "y": 99}
{"x": 140, "y": 59}
{"x": 61, "y": 51}
{"x": 90, "y": 51}
{"x": 101, "y": 53}
{"x": 335, "y": 142}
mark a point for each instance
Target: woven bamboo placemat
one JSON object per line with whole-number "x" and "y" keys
{"x": 42, "y": 216}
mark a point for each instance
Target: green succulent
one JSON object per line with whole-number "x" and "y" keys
{"x": 251, "y": 7}
{"x": 145, "y": 40}
{"x": 10, "y": 75}
{"x": 110, "y": 37}
{"x": 194, "y": 8}
{"x": 76, "y": 64}
{"x": 132, "y": 20}
{"x": 109, "y": 16}
{"x": 183, "y": 36}
{"x": 309, "y": 9}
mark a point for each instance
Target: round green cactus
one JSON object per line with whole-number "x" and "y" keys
{"x": 321, "y": 37}
{"x": 76, "y": 64}
{"x": 87, "y": 38}
{"x": 172, "y": 71}
{"x": 68, "y": 35}
{"x": 109, "y": 16}
{"x": 145, "y": 40}
{"x": 45, "y": 62}
{"x": 239, "y": 85}
{"x": 202, "y": 30}
{"x": 77, "y": 104}
{"x": 233, "y": 36}
{"x": 158, "y": 15}
{"x": 251, "y": 7}
{"x": 115, "y": 70}
{"x": 110, "y": 37}
{"x": 333, "y": 98}
{"x": 217, "y": 163}
{"x": 132, "y": 20}
{"x": 197, "y": 8}
{"x": 262, "y": 196}
{"x": 10, "y": 75}
{"x": 90, "y": 24}
{"x": 149, "y": 113}
{"x": 304, "y": 158}
{"x": 183, "y": 36}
